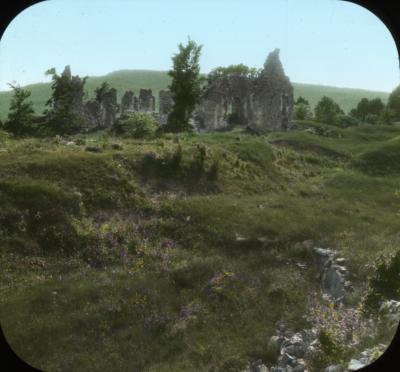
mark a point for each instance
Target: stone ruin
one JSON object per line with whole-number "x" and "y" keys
{"x": 262, "y": 102}
{"x": 147, "y": 102}
{"x": 129, "y": 103}
{"x": 165, "y": 104}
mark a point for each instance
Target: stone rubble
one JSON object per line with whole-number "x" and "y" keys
{"x": 389, "y": 313}
{"x": 332, "y": 273}
{"x": 366, "y": 357}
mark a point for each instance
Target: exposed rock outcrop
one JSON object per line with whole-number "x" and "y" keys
{"x": 293, "y": 348}
{"x": 333, "y": 274}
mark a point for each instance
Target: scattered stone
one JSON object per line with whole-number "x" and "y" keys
{"x": 334, "y": 368}
{"x": 389, "y": 313}
{"x": 240, "y": 238}
{"x": 366, "y": 357}
{"x": 293, "y": 348}
{"x": 256, "y": 366}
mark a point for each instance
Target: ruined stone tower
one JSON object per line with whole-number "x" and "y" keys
{"x": 273, "y": 96}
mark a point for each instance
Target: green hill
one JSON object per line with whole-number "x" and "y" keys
{"x": 156, "y": 80}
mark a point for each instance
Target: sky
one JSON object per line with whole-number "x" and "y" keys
{"x": 328, "y": 42}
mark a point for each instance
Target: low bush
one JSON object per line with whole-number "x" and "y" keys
{"x": 346, "y": 121}
{"x": 136, "y": 125}
{"x": 384, "y": 284}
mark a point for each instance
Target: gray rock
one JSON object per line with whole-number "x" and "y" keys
{"x": 332, "y": 275}
{"x": 260, "y": 368}
{"x": 355, "y": 364}
{"x": 334, "y": 368}
{"x": 333, "y": 283}
{"x": 299, "y": 368}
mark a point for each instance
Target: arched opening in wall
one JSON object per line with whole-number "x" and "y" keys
{"x": 226, "y": 201}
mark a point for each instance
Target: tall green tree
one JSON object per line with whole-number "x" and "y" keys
{"x": 327, "y": 110}
{"x": 394, "y": 103}
{"x": 66, "y": 102}
{"x": 20, "y": 116}
{"x": 185, "y": 86}
{"x": 302, "y": 110}
{"x": 368, "y": 111}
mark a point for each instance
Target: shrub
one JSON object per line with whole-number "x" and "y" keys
{"x": 346, "y": 121}
{"x": 136, "y": 125}
{"x": 4, "y": 136}
{"x": 384, "y": 283}
{"x": 327, "y": 110}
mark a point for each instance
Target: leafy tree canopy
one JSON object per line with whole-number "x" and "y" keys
{"x": 301, "y": 100}
{"x": 327, "y": 110}
{"x": 185, "y": 86}
{"x": 233, "y": 70}
{"x": 21, "y": 112}
{"x": 394, "y": 103}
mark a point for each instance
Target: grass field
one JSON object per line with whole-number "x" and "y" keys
{"x": 156, "y": 80}
{"x": 152, "y": 256}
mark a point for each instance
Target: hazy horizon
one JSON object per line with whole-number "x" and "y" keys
{"x": 329, "y": 43}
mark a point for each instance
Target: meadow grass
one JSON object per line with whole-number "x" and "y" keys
{"x": 181, "y": 253}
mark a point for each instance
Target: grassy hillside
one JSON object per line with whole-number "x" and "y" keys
{"x": 157, "y": 80}
{"x": 181, "y": 253}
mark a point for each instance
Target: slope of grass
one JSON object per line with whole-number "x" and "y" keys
{"x": 157, "y": 80}
{"x": 181, "y": 253}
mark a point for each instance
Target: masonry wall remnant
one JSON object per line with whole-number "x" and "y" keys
{"x": 263, "y": 101}
{"x": 147, "y": 101}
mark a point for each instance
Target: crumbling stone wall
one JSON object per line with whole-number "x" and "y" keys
{"x": 272, "y": 97}
{"x": 225, "y": 103}
{"x": 263, "y": 103}
{"x": 128, "y": 102}
{"x": 147, "y": 102}
{"x": 101, "y": 113}
{"x": 165, "y": 105}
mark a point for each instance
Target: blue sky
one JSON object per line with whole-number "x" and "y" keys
{"x": 329, "y": 42}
